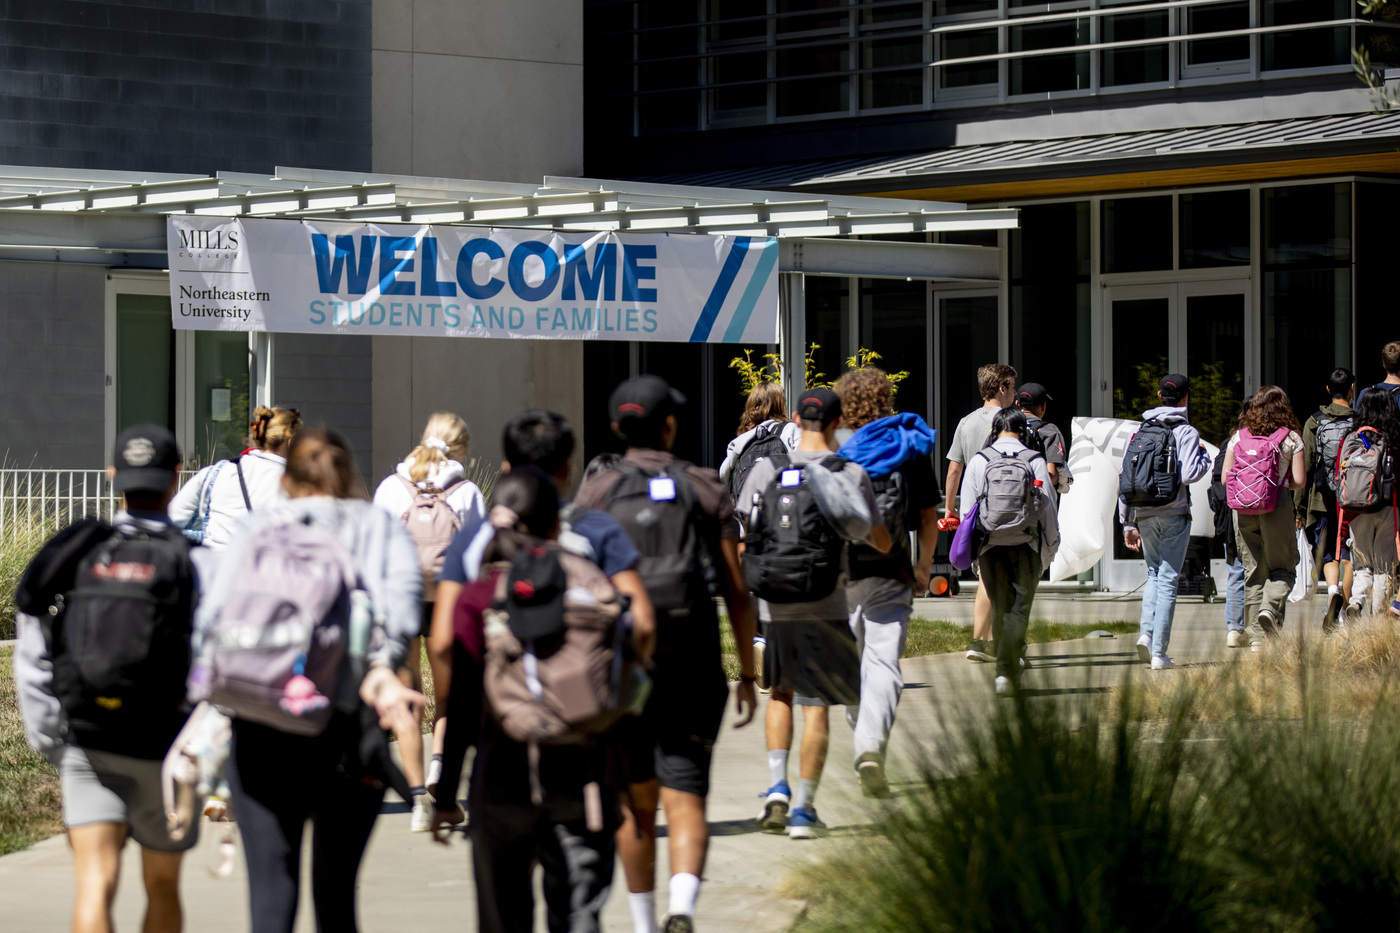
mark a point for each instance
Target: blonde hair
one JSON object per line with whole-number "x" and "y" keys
{"x": 272, "y": 429}
{"x": 766, "y": 401}
{"x": 447, "y": 429}
{"x": 319, "y": 463}
{"x": 865, "y": 395}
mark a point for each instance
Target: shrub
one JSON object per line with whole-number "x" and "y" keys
{"x": 19, "y": 542}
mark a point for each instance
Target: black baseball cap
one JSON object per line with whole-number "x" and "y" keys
{"x": 1174, "y": 386}
{"x": 146, "y": 458}
{"x": 643, "y": 400}
{"x": 819, "y": 404}
{"x": 535, "y": 589}
{"x": 1033, "y": 393}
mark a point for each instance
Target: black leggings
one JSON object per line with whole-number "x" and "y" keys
{"x": 280, "y": 781}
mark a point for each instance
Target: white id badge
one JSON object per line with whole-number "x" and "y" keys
{"x": 662, "y": 489}
{"x": 791, "y": 478}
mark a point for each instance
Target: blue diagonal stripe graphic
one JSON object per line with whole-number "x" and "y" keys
{"x": 767, "y": 259}
{"x": 727, "y": 274}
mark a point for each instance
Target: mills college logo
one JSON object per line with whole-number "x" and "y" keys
{"x": 216, "y": 243}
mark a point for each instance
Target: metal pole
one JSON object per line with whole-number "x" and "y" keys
{"x": 792, "y": 337}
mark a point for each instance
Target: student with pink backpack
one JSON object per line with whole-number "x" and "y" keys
{"x": 1264, "y": 458}
{"x": 430, "y": 494}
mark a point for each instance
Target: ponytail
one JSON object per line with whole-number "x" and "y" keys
{"x": 272, "y": 429}
{"x": 445, "y": 438}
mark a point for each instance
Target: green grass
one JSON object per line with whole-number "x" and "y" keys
{"x": 936, "y": 636}
{"x": 30, "y": 806}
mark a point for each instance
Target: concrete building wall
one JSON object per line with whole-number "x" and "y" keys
{"x": 475, "y": 89}
{"x": 328, "y": 380}
{"x": 146, "y": 85}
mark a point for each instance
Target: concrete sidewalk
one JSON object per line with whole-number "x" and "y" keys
{"x": 408, "y": 883}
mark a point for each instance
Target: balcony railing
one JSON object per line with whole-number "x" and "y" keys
{"x": 52, "y": 499}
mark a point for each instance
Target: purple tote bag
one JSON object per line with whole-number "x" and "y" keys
{"x": 960, "y": 551}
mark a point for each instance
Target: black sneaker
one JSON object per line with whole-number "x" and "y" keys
{"x": 979, "y": 650}
{"x": 1334, "y": 609}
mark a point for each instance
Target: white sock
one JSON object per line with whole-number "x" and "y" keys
{"x": 777, "y": 765}
{"x": 1333, "y": 589}
{"x": 685, "y": 888}
{"x": 806, "y": 793}
{"x": 643, "y": 911}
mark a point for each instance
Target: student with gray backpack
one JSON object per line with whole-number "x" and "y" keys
{"x": 1366, "y": 493}
{"x": 1008, "y": 493}
{"x": 430, "y": 494}
{"x": 300, "y": 635}
{"x": 1263, "y": 460}
{"x": 1163, "y": 458}
{"x": 1315, "y": 505}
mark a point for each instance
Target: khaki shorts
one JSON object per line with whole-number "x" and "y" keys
{"x": 102, "y": 787}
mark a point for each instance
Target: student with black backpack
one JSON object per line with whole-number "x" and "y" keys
{"x": 1008, "y": 486}
{"x": 1315, "y": 505}
{"x": 103, "y": 650}
{"x": 801, "y": 509}
{"x": 896, "y": 452}
{"x": 681, "y": 519}
{"x": 1162, "y": 460}
{"x": 1046, "y": 437}
{"x": 1390, "y": 361}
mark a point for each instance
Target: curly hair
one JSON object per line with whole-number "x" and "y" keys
{"x": 865, "y": 396}
{"x": 1268, "y": 410}
{"x": 766, "y": 402}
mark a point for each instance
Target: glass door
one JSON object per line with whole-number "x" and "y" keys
{"x": 965, "y": 337}
{"x": 1203, "y": 329}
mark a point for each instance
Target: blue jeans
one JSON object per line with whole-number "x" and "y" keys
{"x": 1164, "y": 541}
{"x": 1234, "y": 597}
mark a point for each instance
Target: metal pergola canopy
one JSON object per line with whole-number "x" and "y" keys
{"x": 50, "y": 213}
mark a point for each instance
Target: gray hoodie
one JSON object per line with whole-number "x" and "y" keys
{"x": 1192, "y": 462}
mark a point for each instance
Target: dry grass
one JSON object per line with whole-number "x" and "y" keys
{"x": 1349, "y": 673}
{"x": 30, "y": 805}
{"x": 18, "y": 544}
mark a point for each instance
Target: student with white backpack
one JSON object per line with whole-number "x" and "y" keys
{"x": 1265, "y": 458}
{"x": 430, "y": 494}
{"x": 1008, "y": 492}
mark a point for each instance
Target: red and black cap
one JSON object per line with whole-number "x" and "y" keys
{"x": 1032, "y": 393}
{"x": 643, "y": 400}
{"x": 146, "y": 458}
{"x": 819, "y": 404}
{"x": 1174, "y": 386}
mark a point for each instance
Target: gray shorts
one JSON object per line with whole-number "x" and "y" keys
{"x": 102, "y": 787}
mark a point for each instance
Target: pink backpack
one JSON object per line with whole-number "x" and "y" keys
{"x": 1252, "y": 483}
{"x": 432, "y": 524}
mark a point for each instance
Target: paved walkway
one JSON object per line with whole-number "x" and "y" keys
{"x": 410, "y": 884}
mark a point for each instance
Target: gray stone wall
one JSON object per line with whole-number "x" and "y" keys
{"x": 51, "y": 365}
{"x": 327, "y": 378}
{"x": 192, "y": 86}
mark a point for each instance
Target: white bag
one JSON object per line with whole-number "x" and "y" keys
{"x": 1305, "y": 576}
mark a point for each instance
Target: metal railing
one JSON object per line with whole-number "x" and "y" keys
{"x": 53, "y": 499}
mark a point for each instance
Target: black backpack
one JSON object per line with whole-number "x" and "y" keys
{"x": 1150, "y": 476}
{"x": 792, "y": 554}
{"x": 892, "y": 496}
{"x": 766, "y": 441}
{"x": 1033, "y": 438}
{"x": 118, "y": 630}
{"x": 1331, "y": 431}
{"x": 659, "y": 512}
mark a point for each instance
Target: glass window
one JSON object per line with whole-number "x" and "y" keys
{"x": 1210, "y": 54}
{"x": 605, "y": 364}
{"x": 892, "y": 88}
{"x": 1307, "y": 224}
{"x": 968, "y": 340}
{"x": 1142, "y": 64}
{"x": 828, "y": 324}
{"x": 888, "y": 15}
{"x": 720, "y": 14}
{"x": 945, "y": 8}
{"x": 1377, "y": 206}
{"x": 221, "y": 394}
{"x": 1141, "y": 329}
{"x": 1214, "y": 229}
{"x": 1043, "y": 74}
{"x": 969, "y": 44}
{"x": 738, "y": 99}
{"x": 827, "y": 16}
{"x": 1137, "y": 234}
{"x": 828, "y": 93}
{"x": 146, "y": 361}
{"x": 1052, "y": 243}
{"x": 1307, "y": 330}
{"x": 1215, "y": 363}
{"x": 894, "y": 323}
{"x": 1307, "y": 48}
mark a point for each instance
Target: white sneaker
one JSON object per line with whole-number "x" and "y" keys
{"x": 422, "y": 818}
{"x": 1162, "y": 663}
{"x": 434, "y": 777}
{"x": 1005, "y": 687}
{"x": 1144, "y": 648}
{"x": 1234, "y": 638}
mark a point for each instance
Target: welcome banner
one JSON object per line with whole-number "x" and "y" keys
{"x": 334, "y": 277}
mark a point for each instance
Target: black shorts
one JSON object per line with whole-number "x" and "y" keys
{"x": 425, "y": 625}
{"x": 1326, "y": 529}
{"x": 673, "y": 740}
{"x": 817, "y": 661}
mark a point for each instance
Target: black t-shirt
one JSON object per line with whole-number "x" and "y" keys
{"x": 922, "y": 491}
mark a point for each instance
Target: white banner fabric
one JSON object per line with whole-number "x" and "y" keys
{"x": 1087, "y": 510}
{"x": 335, "y": 277}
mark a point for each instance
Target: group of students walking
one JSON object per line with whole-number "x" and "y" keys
{"x": 575, "y": 646}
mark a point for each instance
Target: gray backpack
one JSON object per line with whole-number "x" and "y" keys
{"x": 277, "y": 650}
{"x": 1007, "y": 510}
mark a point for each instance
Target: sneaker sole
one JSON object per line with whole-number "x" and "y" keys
{"x": 1144, "y": 653}
{"x": 775, "y": 816}
{"x": 981, "y": 656}
{"x": 872, "y": 780}
{"x": 678, "y": 923}
{"x": 805, "y": 832}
